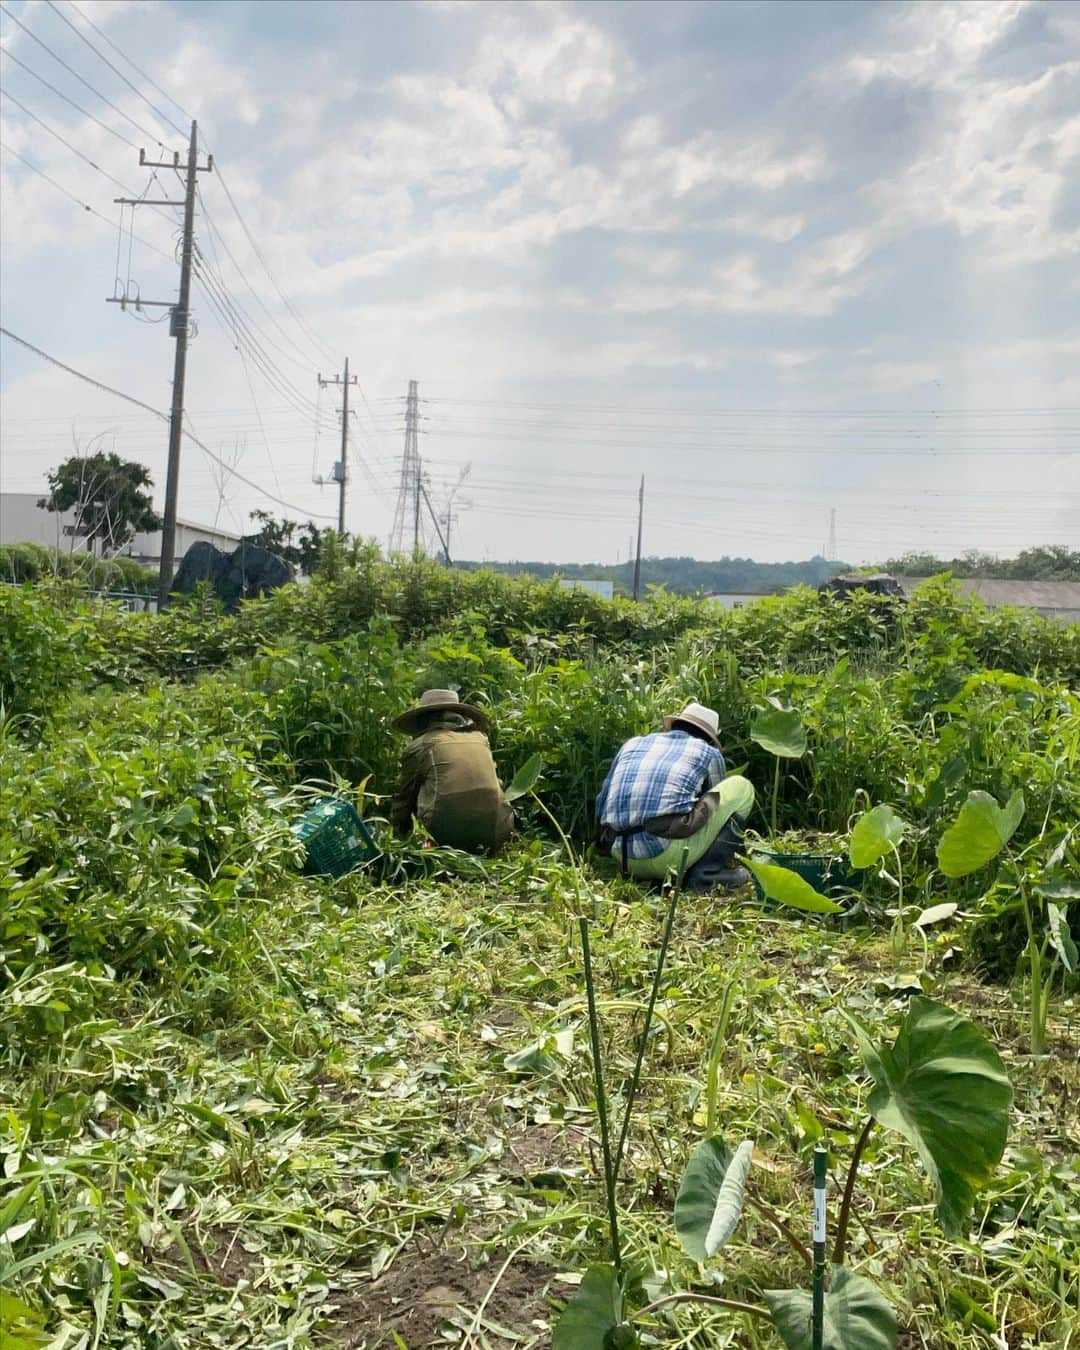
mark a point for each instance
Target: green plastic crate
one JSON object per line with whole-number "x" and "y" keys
{"x": 335, "y": 837}
{"x": 824, "y": 871}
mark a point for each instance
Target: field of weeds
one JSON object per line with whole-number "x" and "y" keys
{"x": 240, "y": 1106}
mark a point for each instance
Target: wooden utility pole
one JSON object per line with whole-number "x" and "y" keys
{"x": 341, "y": 468}
{"x": 179, "y": 327}
{"x": 637, "y": 555}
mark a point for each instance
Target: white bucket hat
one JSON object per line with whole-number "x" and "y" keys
{"x": 698, "y": 716}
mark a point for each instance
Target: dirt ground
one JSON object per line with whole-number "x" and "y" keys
{"x": 420, "y": 1298}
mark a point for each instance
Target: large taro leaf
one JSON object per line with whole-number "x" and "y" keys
{"x": 592, "y": 1320}
{"x": 710, "y": 1198}
{"x": 526, "y": 778}
{"x": 1057, "y": 923}
{"x": 942, "y": 1085}
{"x": 857, "y": 1316}
{"x": 781, "y": 732}
{"x": 979, "y": 833}
{"x": 876, "y": 832}
{"x": 788, "y": 888}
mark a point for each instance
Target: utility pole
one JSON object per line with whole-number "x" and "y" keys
{"x": 637, "y": 555}
{"x": 444, "y": 539}
{"x": 449, "y": 516}
{"x": 341, "y": 468}
{"x": 179, "y": 328}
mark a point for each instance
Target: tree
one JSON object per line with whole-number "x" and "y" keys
{"x": 1051, "y": 562}
{"x": 297, "y": 544}
{"x": 110, "y": 498}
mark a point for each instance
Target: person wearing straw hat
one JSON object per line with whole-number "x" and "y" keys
{"x": 448, "y": 780}
{"x": 666, "y": 804}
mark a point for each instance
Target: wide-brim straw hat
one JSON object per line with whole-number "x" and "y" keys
{"x": 697, "y": 715}
{"x": 439, "y": 700}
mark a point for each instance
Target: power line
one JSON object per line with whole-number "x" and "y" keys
{"x": 151, "y": 136}
{"x": 301, "y": 360}
{"x": 78, "y": 200}
{"x": 750, "y": 446}
{"x": 6, "y": 51}
{"x": 899, "y": 432}
{"x": 750, "y": 412}
{"x": 74, "y": 149}
{"x": 255, "y": 402}
{"x": 101, "y": 56}
{"x": 237, "y": 323}
{"x": 266, "y": 268}
{"x": 138, "y": 70}
{"x": 297, "y": 316}
{"x": 162, "y": 416}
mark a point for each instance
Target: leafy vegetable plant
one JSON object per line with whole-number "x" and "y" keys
{"x": 940, "y": 1084}
{"x": 778, "y": 729}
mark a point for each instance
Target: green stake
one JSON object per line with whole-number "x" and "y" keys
{"x": 601, "y": 1102}
{"x": 658, "y": 975}
{"x": 821, "y": 1158}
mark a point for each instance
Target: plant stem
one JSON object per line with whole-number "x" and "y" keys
{"x": 711, "y": 1300}
{"x": 657, "y": 976}
{"x": 840, "y": 1246}
{"x": 559, "y": 829}
{"x": 713, "y": 1072}
{"x": 1036, "y": 1017}
{"x": 601, "y": 1104}
{"x": 784, "y": 1228}
{"x": 775, "y": 792}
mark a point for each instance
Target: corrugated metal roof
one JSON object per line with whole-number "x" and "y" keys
{"x": 1044, "y": 595}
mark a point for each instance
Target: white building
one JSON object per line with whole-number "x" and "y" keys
{"x": 22, "y": 521}
{"x": 734, "y": 599}
{"x": 604, "y": 589}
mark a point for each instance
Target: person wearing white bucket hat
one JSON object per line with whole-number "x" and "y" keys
{"x": 666, "y": 804}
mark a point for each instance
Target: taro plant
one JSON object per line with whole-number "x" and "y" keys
{"x": 940, "y": 1084}
{"x": 876, "y": 835}
{"x": 778, "y": 729}
{"x": 979, "y": 834}
{"x": 786, "y": 887}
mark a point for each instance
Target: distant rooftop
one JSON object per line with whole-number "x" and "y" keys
{"x": 1049, "y": 597}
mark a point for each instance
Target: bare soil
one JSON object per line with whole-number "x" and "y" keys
{"x": 421, "y": 1298}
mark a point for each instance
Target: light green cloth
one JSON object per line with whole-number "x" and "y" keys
{"x": 736, "y": 796}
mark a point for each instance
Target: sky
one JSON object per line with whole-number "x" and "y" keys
{"x": 779, "y": 258}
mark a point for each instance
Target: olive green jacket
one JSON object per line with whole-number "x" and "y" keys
{"x": 448, "y": 782}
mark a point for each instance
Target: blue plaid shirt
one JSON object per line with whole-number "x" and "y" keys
{"x": 661, "y": 774}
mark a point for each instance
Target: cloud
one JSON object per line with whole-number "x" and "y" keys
{"x": 1002, "y": 148}
{"x": 675, "y": 206}
{"x": 551, "y": 58}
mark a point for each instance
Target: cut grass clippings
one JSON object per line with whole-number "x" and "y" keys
{"x": 349, "y": 1160}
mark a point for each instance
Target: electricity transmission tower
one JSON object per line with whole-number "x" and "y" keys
{"x": 410, "y": 489}
{"x": 830, "y": 548}
{"x": 179, "y": 328}
{"x": 341, "y": 468}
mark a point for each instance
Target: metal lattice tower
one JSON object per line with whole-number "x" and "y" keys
{"x": 407, "y": 511}
{"x": 830, "y": 551}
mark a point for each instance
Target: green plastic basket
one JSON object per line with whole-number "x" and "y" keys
{"x": 826, "y": 872}
{"x": 335, "y": 837}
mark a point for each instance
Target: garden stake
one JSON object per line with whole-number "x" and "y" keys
{"x": 601, "y": 1104}
{"x": 669, "y": 923}
{"x": 821, "y": 1158}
